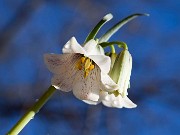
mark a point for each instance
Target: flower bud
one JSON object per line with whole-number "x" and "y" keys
{"x": 113, "y": 58}
{"x": 121, "y": 71}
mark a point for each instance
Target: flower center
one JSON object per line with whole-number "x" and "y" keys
{"x": 86, "y": 64}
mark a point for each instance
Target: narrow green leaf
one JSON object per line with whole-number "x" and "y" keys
{"x": 95, "y": 30}
{"x": 117, "y": 26}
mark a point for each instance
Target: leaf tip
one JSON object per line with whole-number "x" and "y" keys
{"x": 108, "y": 17}
{"x": 146, "y": 14}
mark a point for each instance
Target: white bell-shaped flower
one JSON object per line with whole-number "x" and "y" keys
{"x": 84, "y": 70}
{"x": 120, "y": 73}
{"x": 119, "y": 101}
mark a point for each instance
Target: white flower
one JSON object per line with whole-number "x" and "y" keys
{"x": 84, "y": 70}
{"x": 110, "y": 100}
{"x": 120, "y": 73}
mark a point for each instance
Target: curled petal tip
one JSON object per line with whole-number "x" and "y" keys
{"x": 73, "y": 39}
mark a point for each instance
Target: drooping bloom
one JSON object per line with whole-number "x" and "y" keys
{"x": 117, "y": 101}
{"x": 84, "y": 70}
{"x": 120, "y": 73}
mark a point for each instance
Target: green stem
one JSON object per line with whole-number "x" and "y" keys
{"x": 112, "y": 49}
{"x": 120, "y": 44}
{"x": 117, "y": 26}
{"x": 31, "y": 113}
{"x": 95, "y": 30}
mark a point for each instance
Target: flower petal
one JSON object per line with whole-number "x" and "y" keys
{"x": 72, "y": 46}
{"x": 61, "y": 63}
{"x": 64, "y": 68}
{"x": 124, "y": 77}
{"x": 68, "y": 46}
{"x": 64, "y": 81}
{"x": 107, "y": 83}
{"x": 128, "y": 103}
{"x": 127, "y": 80}
{"x": 117, "y": 102}
{"x": 109, "y": 100}
{"x": 87, "y": 88}
{"x": 92, "y": 48}
{"x": 100, "y": 50}
{"x": 91, "y": 102}
{"x": 104, "y": 62}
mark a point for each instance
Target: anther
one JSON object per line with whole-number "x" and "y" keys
{"x": 87, "y": 64}
{"x": 83, "y": 60}
{"x": 78, "y": 65}
{"x": 86, "y": 73}
{"x": 91, "y": 67}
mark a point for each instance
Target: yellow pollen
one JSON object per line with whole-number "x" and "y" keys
{"x": 85, "y": 64}
{"x": 83, "y": 60}
{"x": 86, "y": 73}
{"x": 91, "y": 67}
{"x": 78, "y": 65}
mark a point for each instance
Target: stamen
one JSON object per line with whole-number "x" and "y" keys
{"x": 116, "y": 93}
{"x": 91, "y": 67}
{"x": 83, "y": 60}
{"x": 86, "y": 73}
{"x": 86, "y": 64}
{"x": 78, "y": 65}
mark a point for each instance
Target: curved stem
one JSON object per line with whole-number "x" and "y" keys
{"x": 113, "y": 49}
{"x": 31, "y": 113}
{"x": 120, "y": 44}
{"x": 95, "y": 30}
{"x": 117, "y": 26}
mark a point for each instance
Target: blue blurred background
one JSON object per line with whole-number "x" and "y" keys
{"x": 30, "y": 28}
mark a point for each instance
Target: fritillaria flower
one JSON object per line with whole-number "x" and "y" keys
{"x": 88, "y": 72}
{"x": 120, "y": 73}
{"x": 84, "y": 70}
{"x": 117, "y": 101}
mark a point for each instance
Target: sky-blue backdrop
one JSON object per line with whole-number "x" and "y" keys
{"x": 28, "y": 29}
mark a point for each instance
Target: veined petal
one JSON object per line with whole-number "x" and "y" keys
{"x": 72, "y": 46}
{"x": 104, "y": 62}
{"x": 61, "y": 63}
{"x": 87, "y": 88}
{"x": 64, "y": 81}
{"x": 107, "y": 83}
